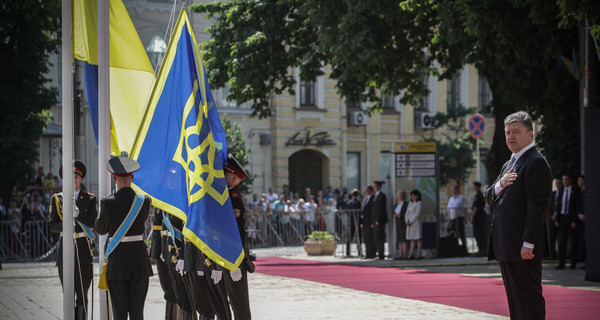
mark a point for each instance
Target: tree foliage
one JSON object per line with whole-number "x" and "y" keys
{"x": 236, "y": 145}
{"x": 456, "y": 149}
{"x": 28, "y": 36}
{"x": 382, "y": 46}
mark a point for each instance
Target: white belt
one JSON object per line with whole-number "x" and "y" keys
{"x": 76, "y": 235}
{"x": 164, "y": 233}
{"x": 131, "y": 238}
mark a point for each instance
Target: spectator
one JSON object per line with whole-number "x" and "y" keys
{"x": 413, "y": 224}
{"x": 553, "y": 213}
{"x": 307, "y": 194}
{"x": 567, "y": 222}
{"x": 15, "y": 225}
{"x": 271, "y": 197}
{"x": 50, "y": 185}
{"x": 400, "y": 223}
{"x": 252, "y": 204}
{"x": 457, "y": 208}
{"x": 328, "y": 193}
{"x": 3, "y": 213}
{"x": 329, "y": 216}
{"x": 287, "y": 193}
{"x": 354, "y": 205}
{"x": 479, "y": 220}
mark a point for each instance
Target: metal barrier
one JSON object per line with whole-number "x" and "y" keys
{"x": 292, "y": 228}
{"x": 31, "y": 241}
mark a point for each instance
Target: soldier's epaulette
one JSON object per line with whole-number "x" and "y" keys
{"x": 57, "y": 194}
{"x": 91, "y": 194}
{"x": 106, "y": 197}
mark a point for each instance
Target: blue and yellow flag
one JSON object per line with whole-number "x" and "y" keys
{"x": 131, "y": 74}
{"x": 181, "y": 147}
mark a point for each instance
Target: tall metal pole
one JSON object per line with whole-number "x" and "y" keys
{"x": 103, "y": 126}
{"x": 68, "y": 258}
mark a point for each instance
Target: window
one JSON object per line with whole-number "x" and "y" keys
{"x": 387, "y": 102}
{"x": 225, "y": 103}
{"x": 423, "y": 103}
{"x": 353, "y": 170}
{"x": 484, "y": 96}
{"x": 384, "y": 166}
{"x": 453, "y": 90}
{"x": 307, "y": 93}
{"x": 156, "y": 51}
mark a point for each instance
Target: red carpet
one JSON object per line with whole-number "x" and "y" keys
{"x": 481, "y": 294}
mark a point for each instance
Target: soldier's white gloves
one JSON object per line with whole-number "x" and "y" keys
{"x": 75, "y": 211}
{"x": 179, "y": 266}
{"x": 200, "y": 273}
{"x": 161, "y": 258}
{"x": 236, "y": 275}
{"x": 216, "y": 276}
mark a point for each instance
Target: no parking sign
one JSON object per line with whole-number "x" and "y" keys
{"x": 477, "y": 126}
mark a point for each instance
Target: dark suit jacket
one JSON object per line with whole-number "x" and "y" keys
{"x": 129, "y": 260}
{"x": 366, "y": 212}
{"x": 379, "y": 211}
{"x": 520, "y": 210}
{"x": 573, "y": 209}
{"x": 86, "y": 202}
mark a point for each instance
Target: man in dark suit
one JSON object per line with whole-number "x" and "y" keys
{"x": 566, "y": 221}
{"x": 366, "y": 224}
{"x": 85, "y": 213}
{"x": 128, "y": 267}
{"x": 380, "y": 218}
{"x": 520, "y": 198}
{"x": 354, "y": 205}
{"x": 479, "y": 220}
{"x": 553, "y": 216}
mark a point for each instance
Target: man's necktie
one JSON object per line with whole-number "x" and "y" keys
{"x": 510, "y": 165}
{"x": 566, "y": 202}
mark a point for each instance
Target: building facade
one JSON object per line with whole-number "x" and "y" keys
{"x": 313, "y": 140}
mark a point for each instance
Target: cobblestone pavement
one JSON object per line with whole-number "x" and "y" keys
{"x": 33, "y": 291}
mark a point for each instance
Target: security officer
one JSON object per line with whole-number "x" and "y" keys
{"x": 236, "y": 282}
{"x": 85, "y": 213}
{"x": 128, "y": 266}
{"x": 164, "y": 275}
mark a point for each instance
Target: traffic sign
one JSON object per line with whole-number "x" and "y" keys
{"x": 477, "y": 126}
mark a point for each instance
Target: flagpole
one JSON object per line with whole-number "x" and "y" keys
{"x": 68, "y": 258}
{"x": 103, "y": 127}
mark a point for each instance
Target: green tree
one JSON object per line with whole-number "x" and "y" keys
{"x": 29, "y": 35}
{"x": 456, "y": 149}
{"x": 236, "y": 145}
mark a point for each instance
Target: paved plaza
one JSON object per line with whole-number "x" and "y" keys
{"x": 33, "y": 291}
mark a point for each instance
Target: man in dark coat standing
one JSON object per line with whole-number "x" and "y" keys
{"x": 85, "y": 214}
{"x": 354, "y": 205}
{"x": 128, "y": 267}
{"x": 520, "y": 198}
{"x": 366, "y": 225}
{"x": 479, "y": 220}
{"x": 380, "y": 218}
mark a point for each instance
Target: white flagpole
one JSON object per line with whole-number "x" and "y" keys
{"x": 68, "y": 259}
{"x": 103, "y": 128}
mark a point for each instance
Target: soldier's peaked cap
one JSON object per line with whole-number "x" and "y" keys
{"x": 78, "y": 167}
{"x": 122, "y": 166}
{"x": 234, "y": 167}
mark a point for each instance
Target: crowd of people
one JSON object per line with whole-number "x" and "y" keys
{"x": 28, "y": 201}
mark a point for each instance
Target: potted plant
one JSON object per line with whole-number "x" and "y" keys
{"x": 320, "y": 243}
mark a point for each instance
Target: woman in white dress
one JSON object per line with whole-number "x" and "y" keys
{"x": 413, "y": 224}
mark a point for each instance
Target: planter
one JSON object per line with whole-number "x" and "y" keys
{"x": 320, "y": 247}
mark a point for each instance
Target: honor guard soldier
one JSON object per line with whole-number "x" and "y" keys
{"x": 85, "y": 212}
{"x": 173, "y": 254}
{"x": 236, "y": 282}
{"x": 123, "y": 216}
{"x": 164, "y": 276}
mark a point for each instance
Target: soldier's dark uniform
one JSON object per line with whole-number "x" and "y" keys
{"x": 164, "y": 275}
{"x": 172, "y": 252}
{"x": 128, "y": 266}
{"x": 86, "y": 202}
{"x": 237, "y": 291}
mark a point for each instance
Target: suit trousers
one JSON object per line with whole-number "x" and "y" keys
{"x": 565, "y": 234}
{"x": 523, "y": 285}
{"x": 368, "y": 233}
{"x": 380, "y": 240}
{"x": 128, "y": 297}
